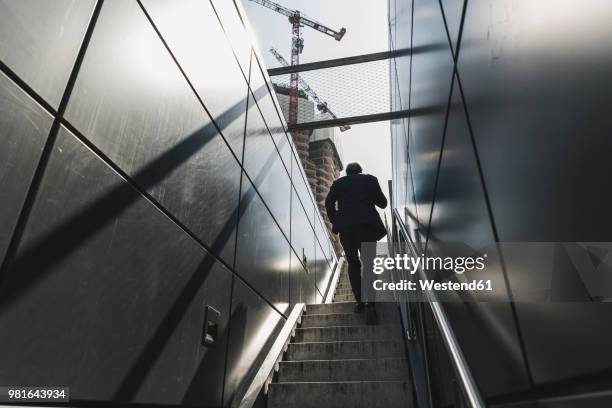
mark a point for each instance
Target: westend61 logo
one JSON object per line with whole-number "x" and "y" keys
{"x": 411, "y": 264}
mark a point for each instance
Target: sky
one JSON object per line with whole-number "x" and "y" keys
{"x": 366, "y": 32}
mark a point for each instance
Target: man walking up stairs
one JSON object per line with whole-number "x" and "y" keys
{"x": 351, "y": 208}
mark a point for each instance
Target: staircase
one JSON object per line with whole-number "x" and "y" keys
{"x": 335, "y": 360}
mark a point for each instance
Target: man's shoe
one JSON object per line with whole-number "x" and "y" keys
{"x": 371, "y": 316}
{"x": 360, "y": 307}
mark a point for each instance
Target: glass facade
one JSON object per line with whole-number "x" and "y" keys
{"x": 145, "y": 177}
{"x": 509, "y": 141}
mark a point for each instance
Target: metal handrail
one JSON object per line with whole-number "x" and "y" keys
{"x": 468, "y": 384}
{"x": 333, "y": 281}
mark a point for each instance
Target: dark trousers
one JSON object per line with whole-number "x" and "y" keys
{"x": 351, "y": 239}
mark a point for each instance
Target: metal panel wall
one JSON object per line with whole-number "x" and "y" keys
{"x": 234, "y": 29}
{"x": 525, "y": 154}
{"x": 453, "y": 14}
{"x": 262, "y": 256}
{"x": 460, "y": 224}
{"x": 265, "y": 168}
{"x": 547, "y": 104}
{"x": 111, "y": 306}
{"x": 540, "y": 120}
{"x": 253, "y": 325}
{"x": 40, "y": 40}
{"x": 23, "y": 129}
{"x": 431, "y": 78}
{"x": 268, "y": 108}
{"x": 302, "y": 234}
{"x": 133, "y": 103}
{"x": 219, "y": 84}
{"x": 133, "y": 197}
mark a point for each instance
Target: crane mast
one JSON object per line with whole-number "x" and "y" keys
{"x": 297, "y": 46}
{"x": 321, "y": 105}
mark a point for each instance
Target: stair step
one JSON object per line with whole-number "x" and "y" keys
{"x": 343, "y": 307}
{"x": 349, "y": 333}
{"x": 344, "y": 298}
{"x": 347, "y": 291}
{"x": 358, "y": 394}
{"x": 346, "y": 319}
{"x": 388, "y": 369}
{"x": 342, "y": 286}
{"x": 339, "y": 350}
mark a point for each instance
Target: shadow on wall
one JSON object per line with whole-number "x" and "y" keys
{"x": 48, "y": 250}
{"x": 32, "y": 262}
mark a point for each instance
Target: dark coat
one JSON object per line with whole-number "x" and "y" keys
{"x": 356, "y": 196}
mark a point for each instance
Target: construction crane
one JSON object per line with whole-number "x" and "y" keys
{"x": 321, "y": 105}
{"x": 297, "y": 46}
